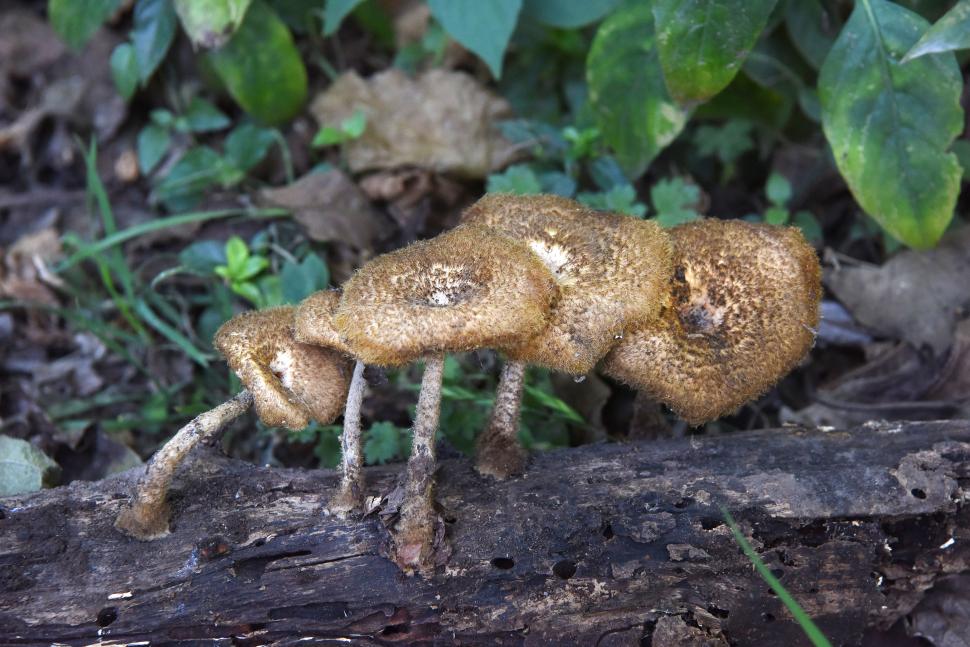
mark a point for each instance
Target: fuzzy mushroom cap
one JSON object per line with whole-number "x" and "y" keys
{"x": 611, "y": 270}
{"x": 466, "y": 289}
{"x": 313, "y": 323}
{"x": 291, "y": 383}
{"x": 741, "y": 313}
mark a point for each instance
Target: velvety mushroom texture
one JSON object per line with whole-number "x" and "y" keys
{"x": 610, "y": 270}
{"x": 292, "y": 383}
{"x": 466, "y": 289}
{"x": 742, "y": 310}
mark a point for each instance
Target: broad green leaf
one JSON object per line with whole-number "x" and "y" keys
{"x": 197, "y": 170}
{"x": 211, "y": 23}
{"x": 484, "y": 27}
{"x": 203, "y": 117}
{"x": 153, "y": 142}
{"x": 237, "y": 253}
{"x": 890, "y": 125}
{"x": 300, "y": 280}
{"x": 383, "y": 443}
{"x": 727, "y": 142}
{"x": 622, "y": 198}
{"x": 262, "y": 68}
{"x": 810, "y": 28}
{"x": 76, "y": 20}
{"x": 951, "y": 32}
{"x": 124, "y": 70}
{"x": 776, "y": 215}
{"x": 673, "y": 201}
{"x": 567, "y": 14}
{"x": 778, "y": 189}
{"x": 703, "y": 43}
{"x": 24, "y": 468}
{"x": 152, "y": 34}
{"x": 335, "y": 12}
{"x": 203, "y": 256}
{"x": 807, "y": 222}
{"x": 519, "y": 179}
{"x": 247, "y": 145}
{"x": 635, "y": 113}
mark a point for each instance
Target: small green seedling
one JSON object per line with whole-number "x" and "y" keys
{"x": 778, "y": 191}
{"x": 349, "y": 129}
{"x": 241, "y": 268}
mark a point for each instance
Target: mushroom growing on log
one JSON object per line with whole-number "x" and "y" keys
{"x": 289, "y": 384}
{"x": 466, "y": 289}
{"x": 610, "y": 269}
{"x": 740, "y": 313}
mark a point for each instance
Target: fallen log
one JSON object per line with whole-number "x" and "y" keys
{"x": 610, "y": 544}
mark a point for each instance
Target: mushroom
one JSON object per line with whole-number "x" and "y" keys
{"x": 467, "y": 289}
{"x": 288, "y": 382}
{"x": 313, "y": 324}
{"x": 610, "y": 270}
{"x": 741, "y": 312}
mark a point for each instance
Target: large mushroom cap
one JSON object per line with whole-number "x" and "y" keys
{"x": 468, "y": 288}
{"x": 611, "y": 270}
{"x": 313, "y": 322}
{"x": 741, "y": 313}
{"x": 291, "y": 383}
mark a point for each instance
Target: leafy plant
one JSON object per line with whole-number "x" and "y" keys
{"x": 349, "y": 129}
{"x": 778, "y": 191}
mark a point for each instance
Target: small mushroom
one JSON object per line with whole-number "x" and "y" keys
{"x": 289, "y": 383}
{"x": 610, "y": 270}
{"x": 741, "y": 312}
{"x": 313, "y": 324}
{"x": 467, "y": 289}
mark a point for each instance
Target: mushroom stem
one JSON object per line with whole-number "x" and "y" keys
{"x": 350, "y": 495}
{"x": 146, "y": 517}
{"x": 414, "y": 534}
{"x": 499, "y": 452}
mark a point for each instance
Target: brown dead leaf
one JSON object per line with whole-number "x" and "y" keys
{"x": 25, "y": 267}
{"x": 915, "y": 296}
{"x": 330, "y": 207}
{"x": 442, "y": 121}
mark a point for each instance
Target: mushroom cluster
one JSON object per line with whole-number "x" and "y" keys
{"x": 703, "y": 317}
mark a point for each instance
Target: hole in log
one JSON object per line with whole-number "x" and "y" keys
{"x": 3, "y": 513}
{"x": 918, "y": 493}
{"x": 718, "y": 612}
{"x": 710, "y": 523}
{"x": 564, "y": 569}
{"x": 106, "y": 616}
{"x": 683, "y": 503}
{"x": 504, "y": 563}
{"x": 767, "y": 617}
{"x": 607, "y": 530}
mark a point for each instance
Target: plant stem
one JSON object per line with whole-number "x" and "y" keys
{"x": 350, "y": 495}
{"x": 146, "y": 517}
{"x": 499, "y": 452}
{"x": 414, "y": 534}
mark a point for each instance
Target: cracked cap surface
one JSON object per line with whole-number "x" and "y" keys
{"x": 741, "y": 313}
{"x": 611, "y": 270}
{"x": 466, "y": 289}
{"x": 292, "y": 383}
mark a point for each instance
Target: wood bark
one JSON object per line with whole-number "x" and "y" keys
{"x": 611, "y": 544}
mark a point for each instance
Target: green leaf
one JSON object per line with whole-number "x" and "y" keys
{"x": 674, "y": 200}
{"x": 483, "y": 27}
{"x": 622, "y": 198}
{"x": 124, "y": 70}
{"x": 778, "y": 189}
{"x": 950, "y": 33}
{"x": 300, "y": 280}
{"x": 354, "y": 125}
{"x": 262, "y": 68}
{"x": 249, "y": 291}
{"x": 237, "y": 253}
{"x": 211, "y": 23}
{"x": 808, "y": 223}
{"x": 727, "y": 142}
{"x": 776, "y": 215}
{"x": 703, "y": 43}
{"x": 199, "y": 169}
{"x": 889, "y": 125}
{"x": 519, "y": 179}
{"x": 327, "y": 136}
{"x": 383, "y": 443}
{"x": 203, "y": 256}
{"x": 567, "y": 14}
{"x": 961, "y": 148}
{"x": 632, "y": 107}
{"x": 247, "y": 145}
{"x": 152, "y": 34}
{"x": 153, "y": 142}
{"x": 203, "y": 117}
{"x": 810, "y": 28}
{"x": 335, "y": 12}
{"x": 24, "y": 468}
{"x": 76, "y": 20}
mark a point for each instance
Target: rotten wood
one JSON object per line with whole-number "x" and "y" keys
{"x": 611, "y": 544}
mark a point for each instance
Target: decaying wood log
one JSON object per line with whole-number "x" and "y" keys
{"x": 601, "y": 545}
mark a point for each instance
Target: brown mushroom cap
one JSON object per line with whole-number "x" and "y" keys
{"x": 611, "y": 270}
{"x": 741, "y": 312}
{"x": 468, "y": 288}
{"x": 291, "y": 383}
{"x": 313, "y": 322}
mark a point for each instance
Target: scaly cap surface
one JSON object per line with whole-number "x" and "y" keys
{"x": 291, "y": 383}
{"x": 611, "y": 270}
{"x": 466, "y": 289}
{"x": 741, "y": 313}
